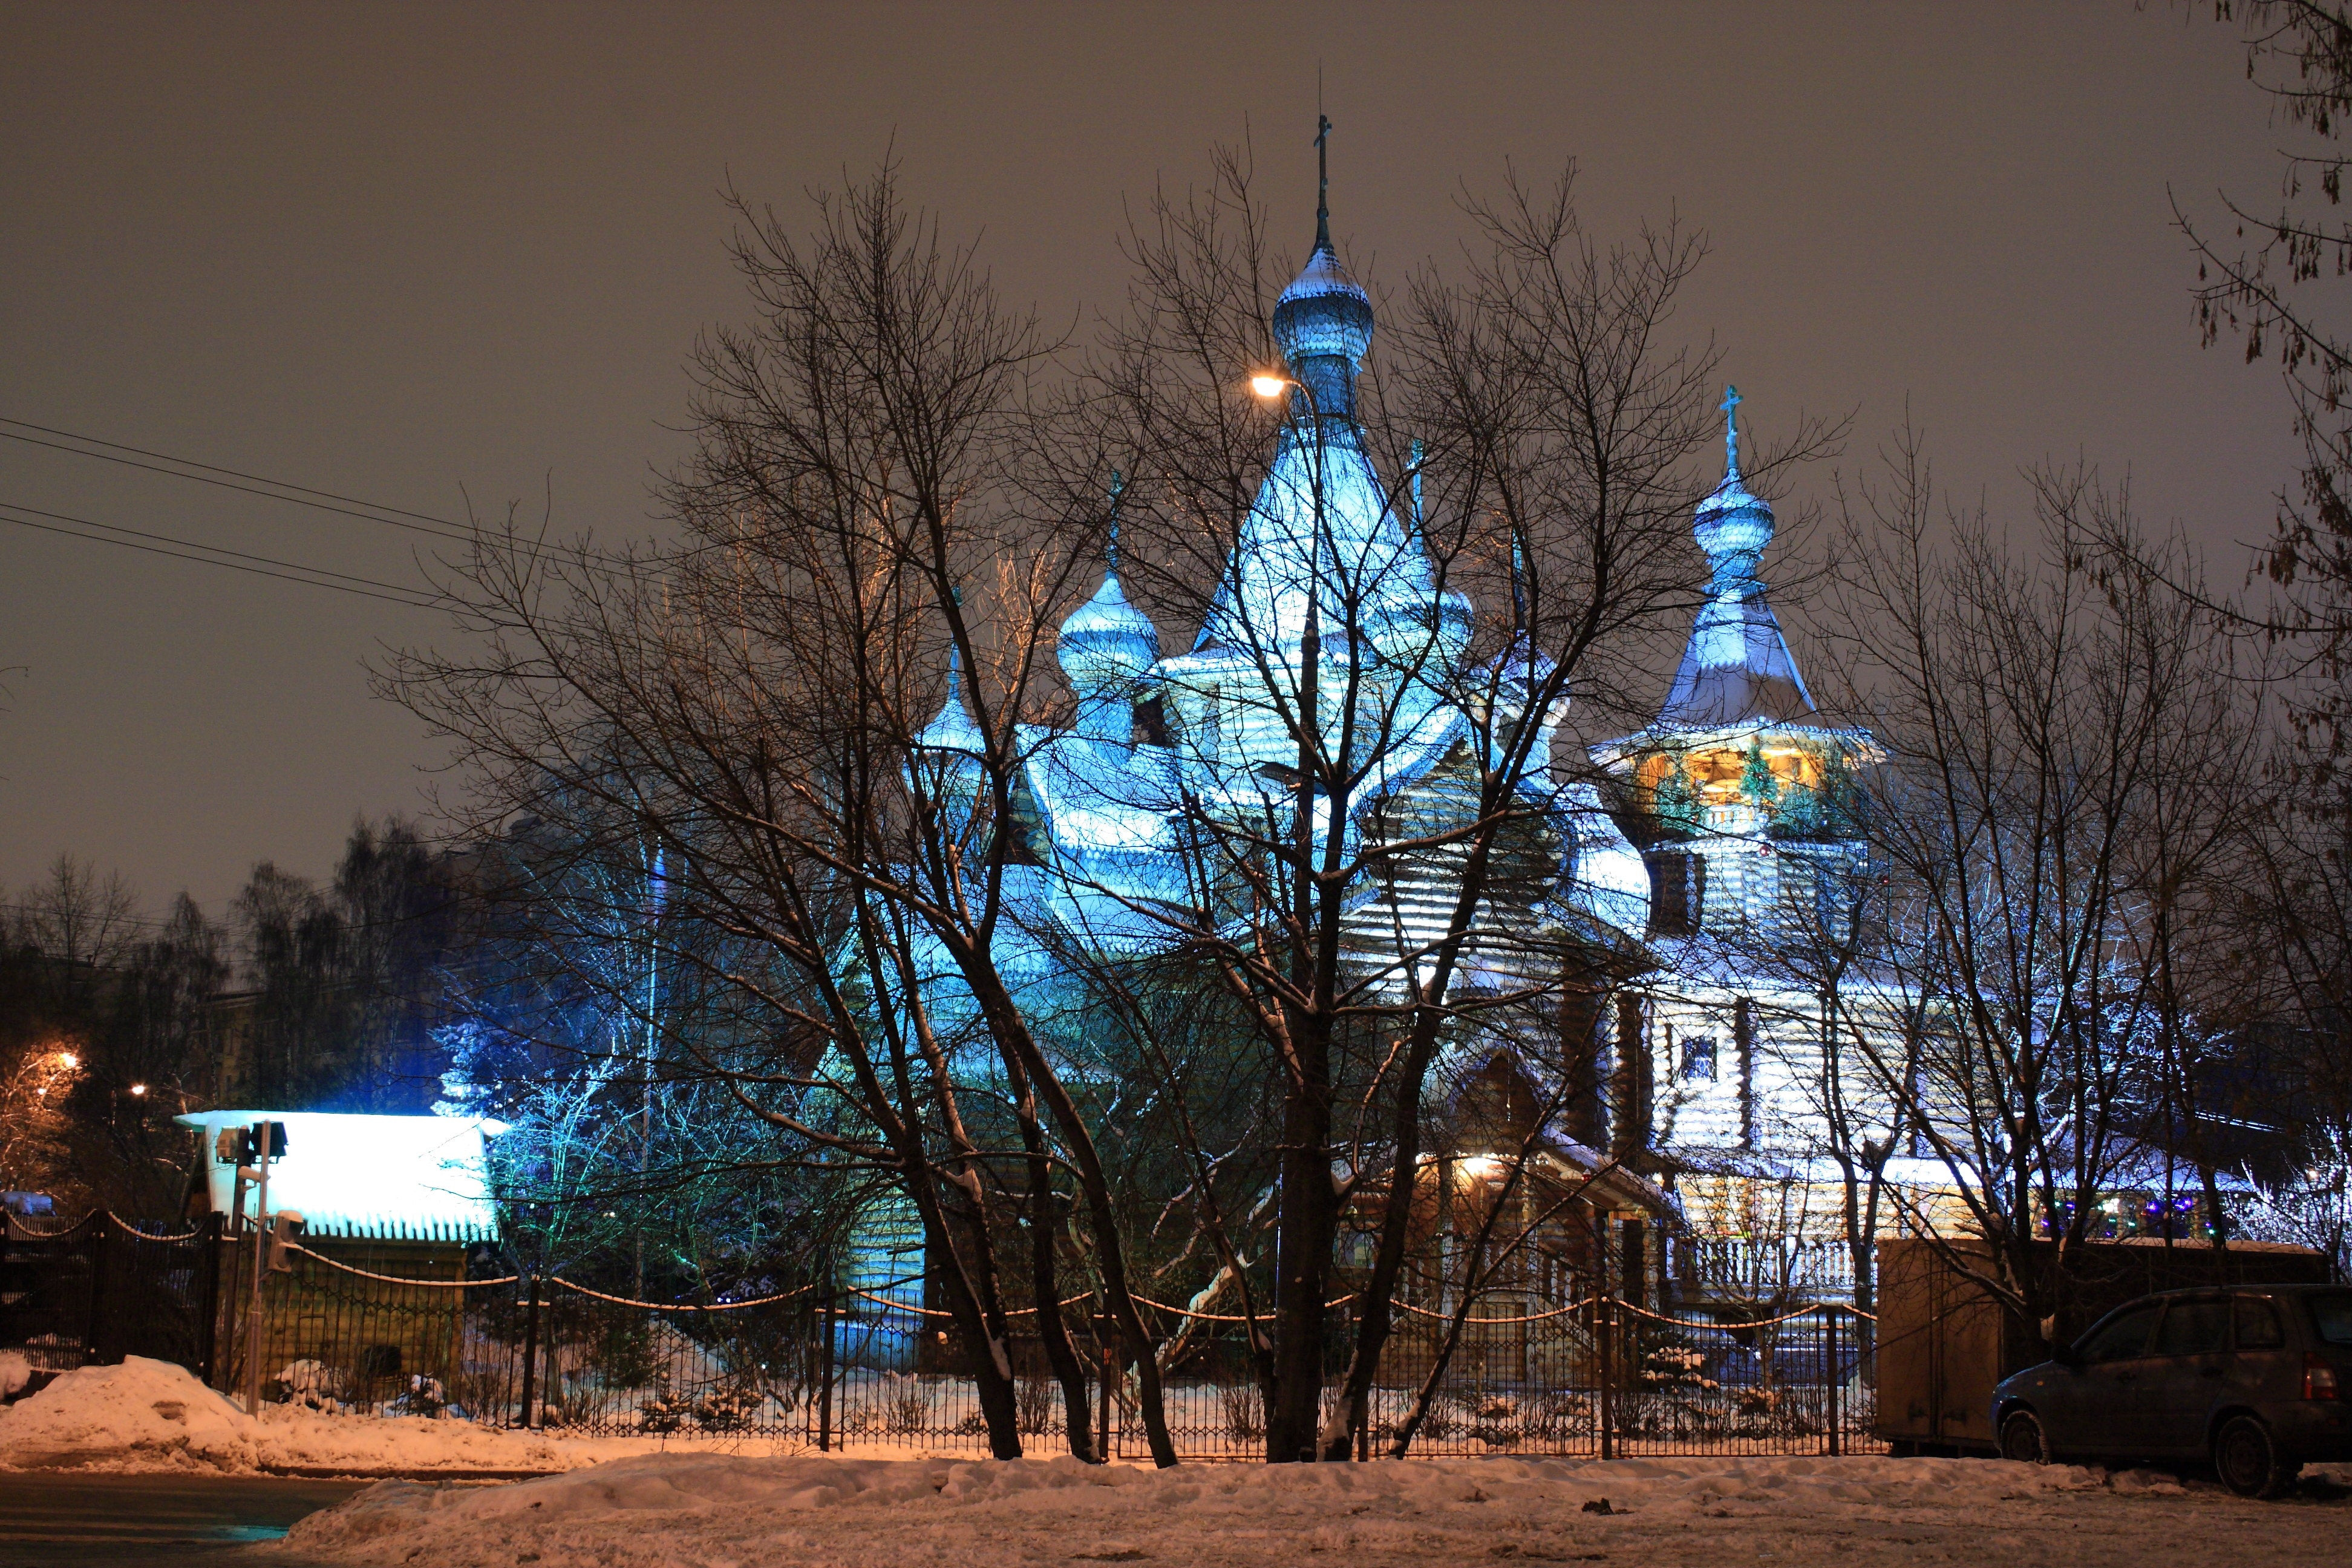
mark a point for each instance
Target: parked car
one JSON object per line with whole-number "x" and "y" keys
{"x": 2251, "y": 1379}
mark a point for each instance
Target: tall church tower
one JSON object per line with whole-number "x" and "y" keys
{"x": 1748, "y": 807}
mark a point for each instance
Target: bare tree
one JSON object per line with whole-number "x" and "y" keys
{"x": 2052, "y": 804}
{"x": 759, "y": 705}
{"x": 1377, "y": 890}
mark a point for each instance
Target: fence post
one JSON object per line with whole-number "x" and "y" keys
{"x": 1608, "y": 1341}
{"x": 1836, "y": 1376}
{"x": 829, "y": 1324}
{"x": 209, "y": 1314}
{"x": 530, "y": 1342}
{"x": 98, "y": 1237}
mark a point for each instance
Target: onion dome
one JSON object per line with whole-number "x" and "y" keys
{"x": 954, "y": 730}
{"x": 1738, "y": 668}
{"x": 1323, "y": 322}
{"x": 1324, "y": 313}
{"x": 1733, "y": 524}
{"x": 1107, "y": 647}
{"x": 1106, "y": 642}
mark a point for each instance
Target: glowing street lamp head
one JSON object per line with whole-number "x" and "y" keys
{"x": 1269, "y": 386}
{"x": 68, "y": 1060}
{"x": 138, "y": 1088}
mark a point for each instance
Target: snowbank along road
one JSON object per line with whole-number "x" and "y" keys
{"x": 731, "y": 1512}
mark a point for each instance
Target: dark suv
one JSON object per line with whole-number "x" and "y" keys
{"x": 2252, "y": 1378}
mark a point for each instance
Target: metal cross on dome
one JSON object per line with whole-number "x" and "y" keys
{"x": 1118, "y": 483}
{"x": 1322, "y": 181}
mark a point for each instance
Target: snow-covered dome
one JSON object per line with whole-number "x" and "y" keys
{"x": 1323, "y": 322}
{"x": 1324, "y": 313}
{"x": 1737, "y": 668}
{"x": 1107, "y": 644}
{"x": 1733, "y": 525}
{"x": 954, "y": 730}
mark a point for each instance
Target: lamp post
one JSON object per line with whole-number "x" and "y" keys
{"x": 1310, "y": 658}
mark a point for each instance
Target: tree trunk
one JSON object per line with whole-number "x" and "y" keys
{"x": 1044, "y": 1278}
{"x": 1306, "y": 1226}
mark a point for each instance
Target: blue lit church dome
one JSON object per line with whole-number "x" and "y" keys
{"x": 1107, "y": 646}
{"x": 954, "y": 733}
{"x": 1323, "y": 322}
{"x": 1733, "y": 525}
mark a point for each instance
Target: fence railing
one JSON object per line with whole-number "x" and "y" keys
{"x": 442, "y": 1333}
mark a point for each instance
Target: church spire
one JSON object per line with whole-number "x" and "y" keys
{"x": 1322, "y": 183}
{"x": 1323, "y": 322}
{"x": 1738, "y": 668}
{"x": 1118, "y": 483}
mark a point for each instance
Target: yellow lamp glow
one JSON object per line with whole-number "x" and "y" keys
{"x": 1268, "y": 386}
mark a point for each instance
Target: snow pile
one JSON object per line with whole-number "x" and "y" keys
{"x": 719, "y": 1509}
{"x": 292, "y": 1439}
{"x": 152, "y": 1414}
{"x": 152, "y": 1408}
{"x": 15, "y": 1372}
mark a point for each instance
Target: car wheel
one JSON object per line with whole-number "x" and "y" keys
{"x": 2249, "y": 1463}
{"x": 2022, "y": 1438}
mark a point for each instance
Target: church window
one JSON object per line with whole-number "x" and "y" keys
{"x": 1698, "y": 1058}
{"x": 1677, "y": 891}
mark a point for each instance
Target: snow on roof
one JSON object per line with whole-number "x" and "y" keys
{"x": 388, "y": 1177}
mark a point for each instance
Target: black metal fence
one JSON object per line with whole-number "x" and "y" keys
{"x": 439, "y": 1332}
{"x": 103, "y": 1288}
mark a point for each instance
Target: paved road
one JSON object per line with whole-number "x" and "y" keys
{"x": 99, "y": 1521}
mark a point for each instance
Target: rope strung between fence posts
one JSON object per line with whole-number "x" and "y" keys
{"x": 678, "y": 1305}
{"x": 128, "y": 1229}
{"x": 1530, "y": 1317}
{"x": 1020, "y": 1311}
{"x": 1759, "y": 1323}
{"x": 1229, "y": 1317}
{"x": 18, "y": 1225}
{"x": 936, "y": 1313}
{"x": 400, "y": 1279}
{"x": 903, "y": 1307}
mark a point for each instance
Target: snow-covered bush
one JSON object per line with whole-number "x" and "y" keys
{"x": 1676, "y": 1363}
{"x": 312, "y": 1385}
{"x": 665, "y": 1412}
{"x": 1555, "y": 1415}
{"x": 424, "y": 1396}
{"x": 1495, "y": 1420}
{"x": 727, "y": 1410}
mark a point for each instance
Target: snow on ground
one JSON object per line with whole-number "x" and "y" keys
{"x": 726, "y": 1511}
{"x": 154, "y": 1416}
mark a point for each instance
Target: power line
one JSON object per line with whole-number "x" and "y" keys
{"x": 271, "y": 489}
{"x": 292, "y": 571}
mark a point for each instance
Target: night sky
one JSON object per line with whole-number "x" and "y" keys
{"x": 421, "y": 253}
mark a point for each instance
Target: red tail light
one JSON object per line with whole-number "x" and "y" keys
{"x": 2319, "y": 1378}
